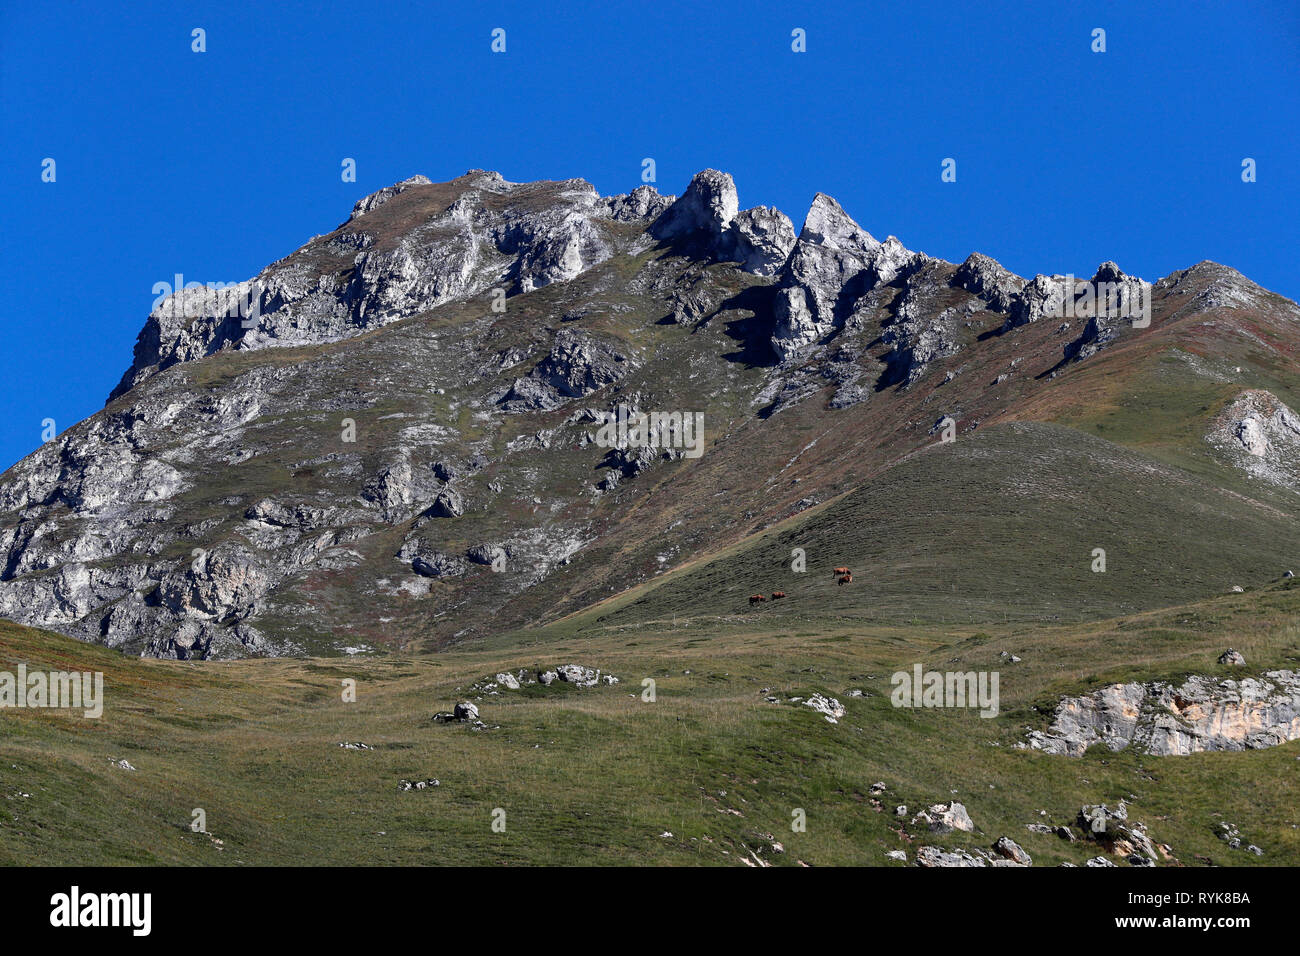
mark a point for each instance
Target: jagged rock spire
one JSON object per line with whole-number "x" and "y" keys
{"x": 707, "y": 220}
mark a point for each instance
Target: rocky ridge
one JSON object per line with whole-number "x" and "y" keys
{"x": 226, "y": 471}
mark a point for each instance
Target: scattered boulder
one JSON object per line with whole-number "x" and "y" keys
{"x": 1230, "y": 835}
{"x": 933, "y": 857}
{"x": 946, "y": 817}
{"x": 1111, "y": 829}
{"x": 828, "y": 707}
{"x": 1232, "y": 658}
{"x": 1012, "y": 851}
{"x": 448, "y": 504}
{"x": 465, "y": 711}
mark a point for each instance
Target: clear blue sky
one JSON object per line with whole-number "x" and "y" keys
{"x": 214, "y": 164}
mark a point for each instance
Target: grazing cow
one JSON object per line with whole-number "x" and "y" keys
{"x": 846, "y": 578}
{"x": 777, "y": 595}
{"x": 841, "y": 571}
{"x": 757, "y": 598}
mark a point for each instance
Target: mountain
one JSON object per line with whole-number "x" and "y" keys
{"x": 397, "y": 437}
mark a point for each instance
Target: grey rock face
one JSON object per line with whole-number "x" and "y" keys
{"x": 577, "y": 365}
{"x": 987, "y": 279}
{"x": 1116, "y": 304}
{"x": 396, "y": 489}
{"x": 448, "y": 504}
{"x": 495, "y": 234}
{"x": 436, "y": 564}
{"x": 796, "y": 327}
{"x": 1202, "y": 714}
{"x": 554, "y": 245}
{"x": 484, "y": 553}
{"x": 641, "y": 204}
{"x": 218, "y": 583}
{"x": 921, "y": 332}
{"x": 707, "y": 220}
{"x": 763, "y": 238}
{"x": 1261, "y": 435}
{"x": 704, "y": 211}
{"x": 833, "y": 264}
{"x": 1041, "y": 296}
{"x": 1108, "y": 302}
{"x": 630, "y": 462}
{"x": 829, "y": 226}
{"x": 1108, "y": 716}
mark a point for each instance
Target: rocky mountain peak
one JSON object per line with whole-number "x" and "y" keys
{"x": 986, "y": 278}
{"x": 707, "y": 207}
{"x": 827, "y": 224}
{"x": 706, "y": 221}
{"x": 377, "y": 199}
{"x": 406, "y": 248}
{"x": 214, "y": 499}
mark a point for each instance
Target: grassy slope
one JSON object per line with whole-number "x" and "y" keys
{"x": 598, "y": 775}
{"x": 1001, "y": 525}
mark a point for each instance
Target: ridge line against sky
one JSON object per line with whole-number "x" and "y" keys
{"x": 213, "y": 164}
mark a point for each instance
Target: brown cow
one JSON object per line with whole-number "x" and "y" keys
{"x": 841, "y": 571}
{"x": 846, "y": 578}
{"x": 757, "y": 598}
{"x": 777, "y": 595}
